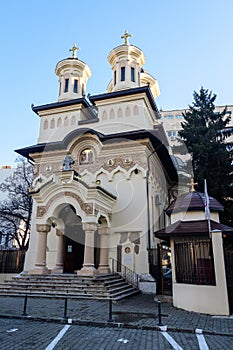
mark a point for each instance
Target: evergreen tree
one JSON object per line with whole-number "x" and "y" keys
{"x": 205, "y": 134}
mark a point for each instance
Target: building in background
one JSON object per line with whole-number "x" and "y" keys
{"x": 172, "y": 124}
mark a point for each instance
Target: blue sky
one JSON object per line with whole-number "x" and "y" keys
{"x": 187, "y": 44}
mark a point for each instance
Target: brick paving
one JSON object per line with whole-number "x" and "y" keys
{"x": 139, "y": 312}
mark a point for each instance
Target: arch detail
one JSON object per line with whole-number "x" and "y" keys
{"x": 86, "y": 208}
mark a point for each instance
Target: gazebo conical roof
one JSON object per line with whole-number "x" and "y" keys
{"x": 193, "y": 201}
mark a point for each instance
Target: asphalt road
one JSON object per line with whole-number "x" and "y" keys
{"x": 27, "y": 335}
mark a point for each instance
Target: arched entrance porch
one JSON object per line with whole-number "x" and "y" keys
{"x": 73, "y": 209}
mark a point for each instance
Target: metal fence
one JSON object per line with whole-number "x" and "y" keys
{"x": 12, "y": 261}
{"x": 194, "y": 262}
{"x": 129, "y": 275}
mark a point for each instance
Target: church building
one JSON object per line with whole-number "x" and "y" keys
{"x": 103, "y": 171}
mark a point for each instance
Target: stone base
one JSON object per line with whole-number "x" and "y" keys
{"x": 147, "y": 284}
{"x": 40, "y": 271}
{"x": 103, "y": 270}
{"x": 87, "y": 271}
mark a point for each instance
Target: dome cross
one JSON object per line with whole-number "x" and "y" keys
{"x": 193, "y": 184}
{"x": 74, "y": 50}
{"x": 126, "y": 36}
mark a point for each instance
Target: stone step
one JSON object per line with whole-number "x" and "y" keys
{"x": 72, "y": 286}
{"x": 65, "y": 286}
{"x": 73, "y": 289}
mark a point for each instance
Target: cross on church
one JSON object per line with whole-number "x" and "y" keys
{"x": 192, "y": 184}
{"x": 67, "y": 162}
{"x": 74, "y": 49}
{"x": 126, "y": 36}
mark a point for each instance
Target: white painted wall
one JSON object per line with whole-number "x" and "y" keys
{"x": 211, "y": 300}
{"x": 193, "y": 215}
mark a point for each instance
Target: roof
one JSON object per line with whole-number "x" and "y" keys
{"x": 193, "y": 201}
{"x": 127, "y": 92}
{"x": 153, "y": 135}
{"x": 61, "y": 104}
{"x": 191, "y": 228}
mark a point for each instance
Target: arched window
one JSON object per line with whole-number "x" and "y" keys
{"x": 59, "y": 122}
{"x": 86, "y": 156}
{"x": 46, "y": 124}
{"x": 127, "y": 111}
{"x": 73, "y": 120}
{"x": 132, "y": 74}
{"x": 135, "y": 110}
{"x": 119, "y": 113}
{"x": 52, "y": 124}
{"x": 112, "y": 114}
{"x": 66, "y": 121}
{"x": 66, "y": 88}
{"x": 104, "y": 116}
{"x": 75, "y": 85}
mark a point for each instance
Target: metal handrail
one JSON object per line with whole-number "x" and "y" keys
{"x": 127, "y": 274}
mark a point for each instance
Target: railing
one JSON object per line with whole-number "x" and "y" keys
{"x": 127, "y": 274}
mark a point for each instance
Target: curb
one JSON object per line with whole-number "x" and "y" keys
{"x": 112, "y": 324}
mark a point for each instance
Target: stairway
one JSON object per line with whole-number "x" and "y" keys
{"x": 99, "y": 287}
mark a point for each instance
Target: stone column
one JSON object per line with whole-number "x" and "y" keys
{"x": 104, "y": 239}
{"x": 60, "y": 253}
{"x": 88, "y": 263}
{"x": 40, "y": 265}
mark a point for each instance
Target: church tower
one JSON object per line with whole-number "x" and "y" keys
{"x": 127, "y": 72}
{"x": 73, "y": 76}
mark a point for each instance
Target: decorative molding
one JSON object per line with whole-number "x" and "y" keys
{"x": 86, "y": 207}
{"x": 43, "y": 228}
{"x": 41, "y": 210}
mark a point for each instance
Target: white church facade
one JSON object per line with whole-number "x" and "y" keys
{"x": 103, "y": 171}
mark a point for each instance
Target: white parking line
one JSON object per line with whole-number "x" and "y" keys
{"x": 52, "y": 345}
{"x": 202, "y": 342}
{"x": 170, "y": 340}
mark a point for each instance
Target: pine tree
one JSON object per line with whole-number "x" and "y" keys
{"x": 205, "y": 134}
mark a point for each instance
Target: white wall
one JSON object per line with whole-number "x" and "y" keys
{"x": 211, "y": 300}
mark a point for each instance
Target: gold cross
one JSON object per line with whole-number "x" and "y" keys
{"x": 74, "y": 49}
{"x": 192, "y": 184}
{"x": 126, "y": 36}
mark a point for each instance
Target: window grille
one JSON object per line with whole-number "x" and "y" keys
{"x": 194, "y": 262}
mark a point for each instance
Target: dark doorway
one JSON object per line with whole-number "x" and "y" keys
{"x": 74, "y": 239}
{"x": 228, "y": 256}
{"x": 166, "y": 269}
{"x": 74, "y": 254}
{"x": 160, "y": 268}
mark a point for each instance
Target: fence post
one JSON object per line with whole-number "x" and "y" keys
{"x": 65, "y": 309}
{"x": 159, "y": 313}
{"x": 25, "y": 306}
{"x": 110, "y": 311}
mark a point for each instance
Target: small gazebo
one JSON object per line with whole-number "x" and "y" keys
{"x": 199, "y": 280}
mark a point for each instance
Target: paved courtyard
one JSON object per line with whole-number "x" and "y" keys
{"x": 18, "y": 334}
{"x": 140, "y": 311}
